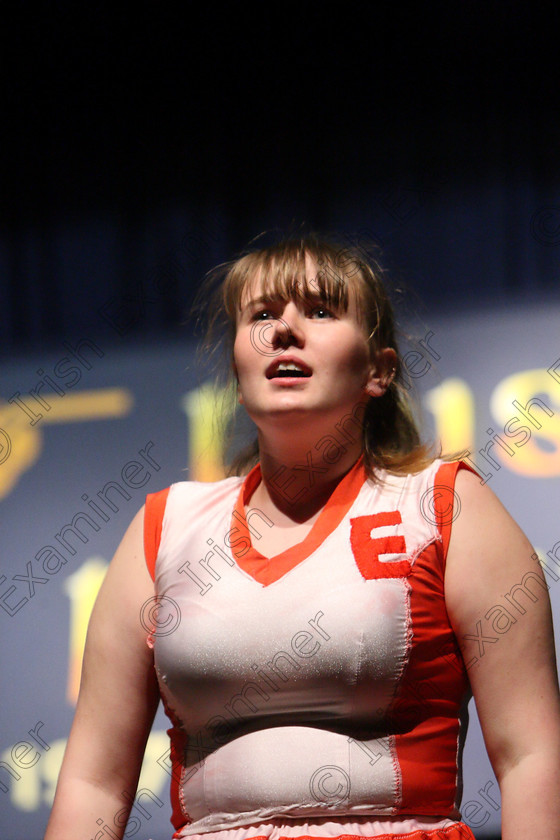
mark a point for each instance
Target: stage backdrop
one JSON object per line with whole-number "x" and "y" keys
{"x": 87, "y": 431}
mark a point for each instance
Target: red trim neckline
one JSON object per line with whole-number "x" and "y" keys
{"x": 268, "y": 570}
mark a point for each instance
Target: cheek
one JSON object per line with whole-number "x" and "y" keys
{"x": 237, "y": 355}
{"x": 242, "y": 361}
{"x": 354, "y": 357}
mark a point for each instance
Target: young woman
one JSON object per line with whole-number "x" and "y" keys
{"x": 330, "y": 604}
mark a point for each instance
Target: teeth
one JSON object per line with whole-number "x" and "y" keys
{"x": 289, "y": 366}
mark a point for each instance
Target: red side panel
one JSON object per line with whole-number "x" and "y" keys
{"x": 153, "y": 519}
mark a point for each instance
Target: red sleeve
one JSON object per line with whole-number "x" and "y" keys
{"x": 447, "y": 503}
{"x": 153, "y": 520}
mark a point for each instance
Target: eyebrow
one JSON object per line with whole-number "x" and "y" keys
{"x": 263, "y": 299}
{"x": 309, "y": 294}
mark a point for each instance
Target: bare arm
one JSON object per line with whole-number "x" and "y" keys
{"x": 509, "y": 645}
{"x": 116, "y": 705}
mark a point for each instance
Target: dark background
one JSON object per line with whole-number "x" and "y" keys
{"x": 131, "y": 131}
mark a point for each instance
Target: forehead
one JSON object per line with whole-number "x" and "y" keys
{"x": 305, "y": 279}
{"x": 275, "y": 281}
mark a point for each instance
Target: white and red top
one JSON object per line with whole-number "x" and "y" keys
{"x": 320, "y": 693}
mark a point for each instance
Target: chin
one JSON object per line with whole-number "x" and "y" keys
{"x": 294, "y": 410}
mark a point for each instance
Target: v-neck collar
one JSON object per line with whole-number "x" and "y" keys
{"x": 268, "y": 570}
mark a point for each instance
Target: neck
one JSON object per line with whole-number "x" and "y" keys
{"x": 299, "y": 475}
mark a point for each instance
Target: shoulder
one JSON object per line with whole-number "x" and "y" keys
{"x": 185, "y": 491}
{"x": 424, "y": 504}
{"x": 480, "y": 513}
{"x": 488, "y": 551}
{"x": 430, "y": 491}
{"x": 168, "y": 512}
{"x": 432, "y": 498}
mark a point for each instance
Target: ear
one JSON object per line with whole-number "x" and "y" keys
{"x": 383, "y": 372}
{"x": 239, "y": 394}
{"x": 234, "y": 369}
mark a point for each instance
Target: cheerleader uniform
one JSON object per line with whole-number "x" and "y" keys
{"x": 320, "y": 693}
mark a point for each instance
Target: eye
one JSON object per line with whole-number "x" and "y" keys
{"x": 321, "y": 313}
{"x": 263, "y": 315}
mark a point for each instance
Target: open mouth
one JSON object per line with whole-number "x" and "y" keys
{"x": 289, "y": 372}
{"x": 284, "y": 370}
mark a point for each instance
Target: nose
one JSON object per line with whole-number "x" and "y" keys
{"x": 289, "y": 328}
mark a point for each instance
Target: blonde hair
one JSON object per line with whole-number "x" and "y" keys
{"x": 390, "y": 437}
